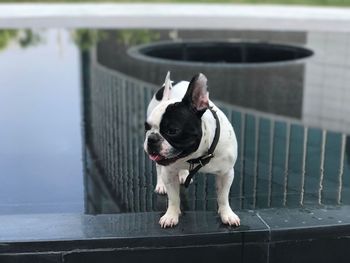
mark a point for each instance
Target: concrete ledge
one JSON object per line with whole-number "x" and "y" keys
{"x": 182, "y": 16}
{"x": 267, "y": 235}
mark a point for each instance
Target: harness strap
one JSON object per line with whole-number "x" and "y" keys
{"x": 204, "y": 159}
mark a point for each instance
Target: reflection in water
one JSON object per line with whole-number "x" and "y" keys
{"x": 25, "y": 38}
{"x": 40, "y": 138}
{"x": 279, "y": 84}
{"x": 5, "y": 37}
{"x": 88, "y": 38}
{"x": 40, "y": 131}
{"x": 281, "y": 161}
{"x": 326, "y": 87}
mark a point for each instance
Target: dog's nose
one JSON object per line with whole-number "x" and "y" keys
{"x": 153, "y": 138}
{"x": 154, "y": 143}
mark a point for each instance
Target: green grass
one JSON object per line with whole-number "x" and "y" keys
{"x": 289, "y": 2}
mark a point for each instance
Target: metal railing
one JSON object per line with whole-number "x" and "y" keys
{"x": 280, "y": 162}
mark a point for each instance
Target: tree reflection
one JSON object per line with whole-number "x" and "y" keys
{"x": 88, "y": 38}
{"x": 25, "y": 38}
{"x": 6, "y": 36}
{"x": 83, "y": 38}
{"x": 136, "y": 37}
{"x": 29, "y": 38}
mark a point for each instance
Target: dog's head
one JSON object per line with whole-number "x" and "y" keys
{"x": 173, "y": 128}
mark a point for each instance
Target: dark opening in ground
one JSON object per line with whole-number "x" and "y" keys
{"x": 225, "y": 52}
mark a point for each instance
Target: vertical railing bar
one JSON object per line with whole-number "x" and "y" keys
{"x": 109, "y": 131}
{"x": 323, "y": 146}
{"x": 341, "y": 167}
{"x": 255, "y": 182}
{"x": 134, "y": 148}
{"x": 142, "y": 168}
{"x": 242, "y": 159}
{"x": 303, "y": 165}
{"x": 272, "y": 134}
{"x": 119, "y": 138}
{"x": 124, "y": 143}
{"x": 103, "y": 126}
{"x": 114, "y": 127}
{"x": 286, "y": 165}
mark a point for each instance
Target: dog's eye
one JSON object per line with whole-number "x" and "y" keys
{"x": 147, "y": 126}
{"x": 173, "y": 131}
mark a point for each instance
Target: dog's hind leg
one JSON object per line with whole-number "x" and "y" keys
{"x": 223, "y": 185}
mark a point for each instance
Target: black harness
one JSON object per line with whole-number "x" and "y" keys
{"x": 204, "y": 159}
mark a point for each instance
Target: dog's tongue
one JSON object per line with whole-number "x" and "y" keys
{"x": 156, "y": 157}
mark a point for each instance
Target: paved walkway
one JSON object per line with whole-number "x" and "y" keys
{"x": 209, "y": 16}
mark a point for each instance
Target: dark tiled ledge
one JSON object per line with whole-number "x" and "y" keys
{"x": 63, "y": 232}
{"x": 268, "y": 235}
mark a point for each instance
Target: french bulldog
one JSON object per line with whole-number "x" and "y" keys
{"x": 179, "y": 128}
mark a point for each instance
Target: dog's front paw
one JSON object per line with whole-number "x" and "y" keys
{"x": 228, "y": 217}
{"x": 170, "y": 219}
{"x": 160, "y": 189}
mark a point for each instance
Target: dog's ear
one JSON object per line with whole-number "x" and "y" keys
{"x": 197, "y": 95}
{"x": 167, "y": 87}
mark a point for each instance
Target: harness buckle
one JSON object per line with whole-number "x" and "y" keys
{"x": 205, "y": 159}
{"x": 200, "y": 163}
{"x": 209, "y": 155}
{"x": 191, "y": 166}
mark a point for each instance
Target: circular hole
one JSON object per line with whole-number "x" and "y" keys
{"x": 225, "y": 52}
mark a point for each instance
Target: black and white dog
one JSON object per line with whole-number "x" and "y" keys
{"x": 182, "y": 125}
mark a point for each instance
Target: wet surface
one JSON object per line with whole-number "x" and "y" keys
{"x": 57, "y": 156}
{"x": 40, "y": 120}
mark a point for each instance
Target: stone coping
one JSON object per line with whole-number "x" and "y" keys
{"x": 181, "y": 16}
{"x": 64, "y": 232}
